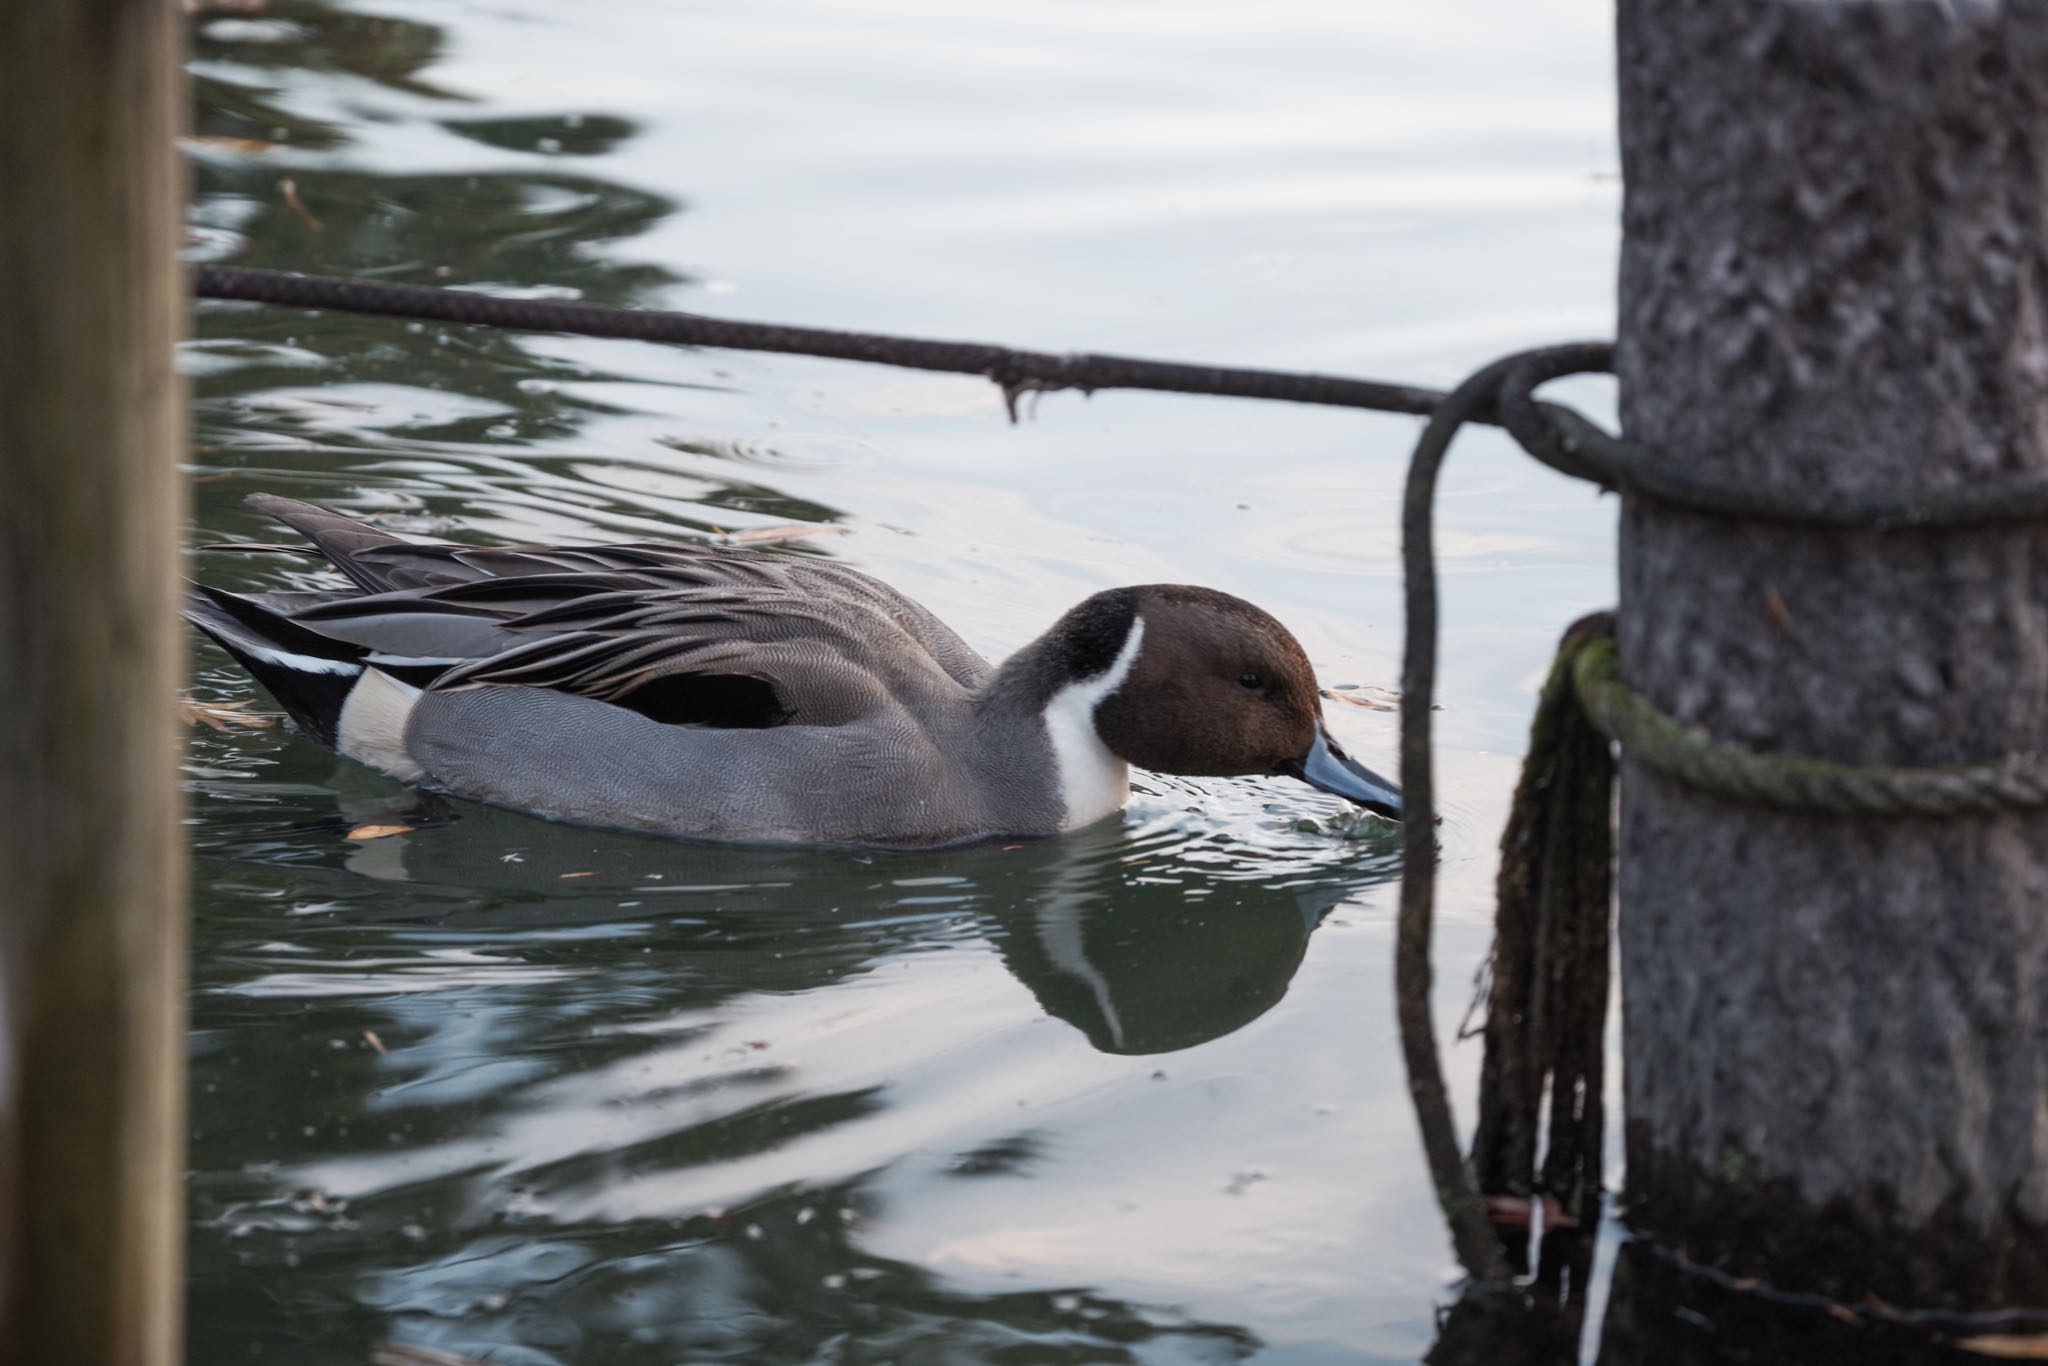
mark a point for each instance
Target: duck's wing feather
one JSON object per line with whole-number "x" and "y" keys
{"x": 686, "y": 656}
{"x": 527, "y": 577}
{"x": 735, "y": 694}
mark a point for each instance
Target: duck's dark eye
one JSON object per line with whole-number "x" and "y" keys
{"x": 1254, "y": 681}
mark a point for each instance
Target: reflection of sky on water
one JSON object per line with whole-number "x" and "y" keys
{"x": 1134, "y": 1092}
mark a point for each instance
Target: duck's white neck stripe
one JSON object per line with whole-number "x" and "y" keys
{"x": 1093, "y": 782}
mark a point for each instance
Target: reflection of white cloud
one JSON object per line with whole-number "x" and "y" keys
{"x": 871, "y": 1033}
{"x": 1132, "y": 1186}
{"x": 341, "y": 407}
{"x": 1138, "y": 1190}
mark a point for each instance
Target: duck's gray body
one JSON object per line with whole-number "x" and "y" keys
{"x": 688, "y": 690}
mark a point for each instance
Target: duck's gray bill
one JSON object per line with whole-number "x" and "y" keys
{"x": 1329, "y": 768}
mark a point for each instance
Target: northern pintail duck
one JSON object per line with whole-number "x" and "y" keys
{"x": 744, "y": 695}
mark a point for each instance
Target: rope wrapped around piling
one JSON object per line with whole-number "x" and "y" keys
{"x": 1556, "y": 884}
{"x": 1789, "y": 781}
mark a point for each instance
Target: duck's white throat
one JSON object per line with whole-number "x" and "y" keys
{"x": 1093, "y": 782}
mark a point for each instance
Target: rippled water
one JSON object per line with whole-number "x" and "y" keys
{"x": 542, "y": 1095}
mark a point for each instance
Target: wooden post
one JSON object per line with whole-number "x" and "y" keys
{"x": 1834, "y": 276}
{"x": 92, "y": 875}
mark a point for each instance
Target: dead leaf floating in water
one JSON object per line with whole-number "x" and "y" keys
{"x": 775, "y": 535}
{"x": 378, "y": 832}
{"x": 405, "y": 1354}
{"x": 1370, "y": 698}
{"x": 2007, "y": 1346}
{"x": 254, "y": 146}
{"x": 221, "y": 715}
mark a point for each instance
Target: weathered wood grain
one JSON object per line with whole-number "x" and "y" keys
{"x": 92, "y": 881}
{"x": 1835, "y": 273}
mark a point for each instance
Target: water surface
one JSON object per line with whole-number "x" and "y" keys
{"x": 537, "y": 1095}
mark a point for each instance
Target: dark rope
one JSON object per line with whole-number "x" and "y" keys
{"x": 1017, "y": 372}
{"x": 1570, "y": 443}
{"x": 1479, "y": 1250}
{"x": 1558, "y": 436}
{"x": 1546, "y": 1012}
{"x": 2032, "y": 1321}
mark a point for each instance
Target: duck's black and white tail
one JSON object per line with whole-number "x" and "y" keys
{"x": 310, "y": 675}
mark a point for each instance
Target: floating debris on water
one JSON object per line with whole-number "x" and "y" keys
{"x": 222, "y": 715}
{"x": 1364, "y": 695}
{"x": 776, "y": 535}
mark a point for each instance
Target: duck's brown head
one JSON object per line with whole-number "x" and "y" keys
{"x": 1210, "y": 686}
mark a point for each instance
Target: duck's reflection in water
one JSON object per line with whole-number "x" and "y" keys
{"x": 651, "y": 1095}
{"x": 1144, "y": 950}
{"x": 1143, "y": 968}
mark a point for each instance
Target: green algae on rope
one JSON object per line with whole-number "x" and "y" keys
{"x": 1792, "y": 782}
